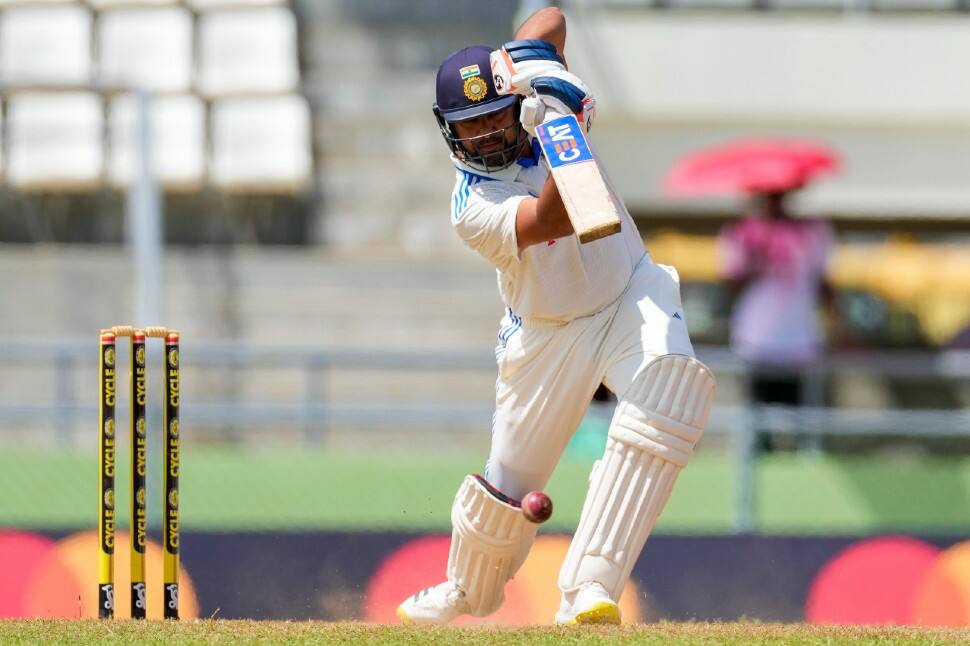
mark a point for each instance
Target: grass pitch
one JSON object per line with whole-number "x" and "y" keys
{"x": 255, "y": 632}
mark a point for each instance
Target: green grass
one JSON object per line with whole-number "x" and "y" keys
{"x": 233, "y": 489}
{"x": 253, "y": 632}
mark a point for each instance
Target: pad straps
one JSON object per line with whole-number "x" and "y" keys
{"x": 652, "y": 436}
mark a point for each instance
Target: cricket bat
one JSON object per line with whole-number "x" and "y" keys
{"x": 571, "y": 163}
{"x": 578, "y": 178}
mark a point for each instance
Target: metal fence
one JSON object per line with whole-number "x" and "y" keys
{"x": 315, "y": 411}
{"x": 847, "y": 6}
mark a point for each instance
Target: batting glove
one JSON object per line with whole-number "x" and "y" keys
{"x": 559, "y": 92}
{"x": 517, "y": 63}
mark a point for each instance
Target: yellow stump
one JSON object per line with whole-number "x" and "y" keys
{"x": 170, "y": 526}
{"x": 106, "y": 472}
{"x": 138, "y": 439}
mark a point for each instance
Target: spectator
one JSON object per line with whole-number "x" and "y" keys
{"x": 774, "y": 267}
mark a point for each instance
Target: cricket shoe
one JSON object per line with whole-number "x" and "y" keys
{"x": 590, "y": 605}
{"x": 438, "y": 604}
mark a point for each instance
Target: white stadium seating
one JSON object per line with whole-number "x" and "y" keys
{"x": 45, "y": 44}
{"x": 177, "y": 126}
{"x": 67, "y": 67}
{"x": 714, "y": 4}
{"x": 261, "y": 144}
{"x": 21, "y": 3}
{"x": 208, "y": 5}
{"x": 247, "y": 52}
{"x": 54, "y": 140}
{"x": 146, "y": 47}
{"x": 112, "y": 4}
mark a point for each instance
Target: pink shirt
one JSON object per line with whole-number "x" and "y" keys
{"x": 776, "y": 317}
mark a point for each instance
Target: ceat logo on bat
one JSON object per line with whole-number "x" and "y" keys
{"x": 563, "y": 142}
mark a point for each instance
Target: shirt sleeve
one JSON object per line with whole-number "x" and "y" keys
{"x": 483, "y": 214}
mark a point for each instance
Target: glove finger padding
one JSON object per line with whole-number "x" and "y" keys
{"x": 518, "y": 62}
{"x": 565, "y": 93}
{"x": 531, "y": 114}
{"x": 531, "y": 49}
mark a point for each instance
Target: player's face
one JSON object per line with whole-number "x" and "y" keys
{"x": 485, "y": 124}
{"x": 488, "y": 134}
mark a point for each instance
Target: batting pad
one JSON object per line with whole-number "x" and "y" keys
{"x": 488, "y": 541}
{"x": 654, "y": 430}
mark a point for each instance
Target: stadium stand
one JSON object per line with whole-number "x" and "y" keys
{"x": 233, "y": 132}
{"x": 783, "y": 5}
{"x": 247, "y": 51}
{"x": 205, "y": 5}
{"x": 146, "y": 47}
{"x": 110, "y": 4}
{"x": 45, "y": 44}
{"x": 54, "y": 141}
{"x": 179, "y": 157}
{"x": 259, "y": 144}
{"x": 226, "y": 112}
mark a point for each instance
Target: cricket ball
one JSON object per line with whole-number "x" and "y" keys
{"x": 537, "y": 507}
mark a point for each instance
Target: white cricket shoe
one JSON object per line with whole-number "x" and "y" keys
{"x": 590, "y": 605}
{"x": 438, "y": 604}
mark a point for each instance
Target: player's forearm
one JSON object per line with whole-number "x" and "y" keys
{"x": 548, "y": 24}
{"x": 552, "y": 212}
{"x": 543, "y": 218}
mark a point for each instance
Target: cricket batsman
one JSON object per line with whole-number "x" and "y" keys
{"x": 577, "y": 316}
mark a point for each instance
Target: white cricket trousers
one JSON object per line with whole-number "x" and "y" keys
{"x": 548, "y": 373}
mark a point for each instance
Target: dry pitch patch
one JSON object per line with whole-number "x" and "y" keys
{"x": 275, "y": 632}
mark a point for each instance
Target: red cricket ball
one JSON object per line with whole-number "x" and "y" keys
{"x": 537, "y": 507}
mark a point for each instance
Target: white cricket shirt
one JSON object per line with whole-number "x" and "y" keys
{"x": 556, "y": 281}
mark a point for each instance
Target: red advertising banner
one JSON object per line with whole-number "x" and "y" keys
{"x": 363, "y": 576}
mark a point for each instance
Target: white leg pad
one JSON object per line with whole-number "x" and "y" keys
{"x": 489, "y": 540}
{"x": 652, "y": 436}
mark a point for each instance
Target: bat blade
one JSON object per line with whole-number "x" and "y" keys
{"x": 578, "y": 178}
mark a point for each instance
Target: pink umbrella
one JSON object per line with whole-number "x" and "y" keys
{"x": 750, "y": 166}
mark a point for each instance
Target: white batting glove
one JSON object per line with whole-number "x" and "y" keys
{"x": 560, "y": 92}
{"x": 517, "y": 63}
{"x": 532, "y": 112}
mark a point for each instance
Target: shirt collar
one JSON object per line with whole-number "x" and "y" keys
{"x": 508, "y": 174}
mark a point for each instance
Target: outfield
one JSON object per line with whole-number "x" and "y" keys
{"x": 236, "y": 489}
{"x": 252, "y": 632}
